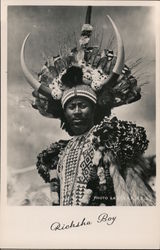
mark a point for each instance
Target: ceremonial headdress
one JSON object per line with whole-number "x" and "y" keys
{"x": 97, "y": 74}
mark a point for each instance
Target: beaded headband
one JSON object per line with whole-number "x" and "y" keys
{"x": 79, "y": 90}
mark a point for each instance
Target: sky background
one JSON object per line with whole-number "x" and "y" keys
{"x": 28, "y": 131}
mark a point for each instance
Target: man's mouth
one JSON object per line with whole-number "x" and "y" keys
{"x": 77, "y": 121}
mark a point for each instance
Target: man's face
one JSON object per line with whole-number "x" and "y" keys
{"x": 79, "y": 113}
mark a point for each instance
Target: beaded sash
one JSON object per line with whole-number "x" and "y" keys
{"x": 74, "y": 170}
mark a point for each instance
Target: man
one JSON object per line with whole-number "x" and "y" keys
{"x": 74, "y": 167}
{"x": 102, "y": 163}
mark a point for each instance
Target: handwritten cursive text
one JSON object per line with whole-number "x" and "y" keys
{"x": 60, "y": 226}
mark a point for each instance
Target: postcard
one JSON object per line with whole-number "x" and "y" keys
{"x": 79, "y": 124}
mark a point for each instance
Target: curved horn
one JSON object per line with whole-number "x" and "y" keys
{"x": 88, "y": 15}
{"x": 31, "y": 80}
{"x": 120, "y": 56}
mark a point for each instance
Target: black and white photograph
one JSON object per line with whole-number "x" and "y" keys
{"x": 80, "y": 114}
{"x": 86, "y": 125}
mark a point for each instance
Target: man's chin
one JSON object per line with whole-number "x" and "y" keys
{"x": 78, "y": 129}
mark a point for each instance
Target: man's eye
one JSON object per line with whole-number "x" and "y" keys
{"x": 83, "y": 106}
{"x": 71, "y": 107}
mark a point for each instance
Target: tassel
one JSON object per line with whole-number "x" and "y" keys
{"x": 55, "y": 199}
{"x": 86, "y": 197}
{"x": 54, "y": 187}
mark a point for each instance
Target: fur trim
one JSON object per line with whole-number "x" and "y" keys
{"x": 132, "y": 190}
{"x": 140, "y": 193}
{"x": 120, "y": 188}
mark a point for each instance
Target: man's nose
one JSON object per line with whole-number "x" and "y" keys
{"x": 77, "y": 110}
